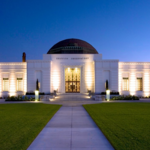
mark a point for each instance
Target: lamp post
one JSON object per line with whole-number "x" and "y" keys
{"x": 36, "y": 95}
{"x": 108, "y": 95}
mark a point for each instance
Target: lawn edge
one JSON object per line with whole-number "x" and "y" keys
{"x": 98, "y": 126}
{"x": 45, "y": 124}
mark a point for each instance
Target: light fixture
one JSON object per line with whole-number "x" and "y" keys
{"x": 36, "y": 95}
{"x": 107, "y": 95}
{"x": 76, "y": 69}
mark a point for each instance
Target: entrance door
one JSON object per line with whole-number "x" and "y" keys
{"x": 72, "y": 80}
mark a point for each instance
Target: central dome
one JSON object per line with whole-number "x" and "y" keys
{"x": 72, "y": 46}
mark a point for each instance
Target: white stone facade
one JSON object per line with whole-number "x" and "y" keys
{"x": 133, "y": 70}
{"x": 94, "y": 71}
{"x": 12, "y": 71}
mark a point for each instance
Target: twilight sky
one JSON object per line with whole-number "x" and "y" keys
{"x": 118, "y": 29}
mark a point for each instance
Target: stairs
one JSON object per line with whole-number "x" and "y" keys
{"x": 72, "y": 97}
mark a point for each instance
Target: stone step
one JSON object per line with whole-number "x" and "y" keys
{"x": 72, "y": 97}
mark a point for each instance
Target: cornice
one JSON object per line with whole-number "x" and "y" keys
{"x": 38, "y": 61}
{"x": 106, "y": 60}
{"x": 134, "y": 63}
{"x": 13, "y": 63}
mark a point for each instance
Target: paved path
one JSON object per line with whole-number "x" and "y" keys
{"x": 71, "y": 128}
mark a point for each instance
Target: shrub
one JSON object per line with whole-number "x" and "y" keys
{"x": 111, "y": 93}
{"x": 123, "y": 97}
{"x": 26, "y": 98}
{"x": 7, "y": 99}
{"x": 32, "y": 93}
{"x": 11, "y": 98}
{"x": 32, "y": 99}
{"x": 20, "y": 98}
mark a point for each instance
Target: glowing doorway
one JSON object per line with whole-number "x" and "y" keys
{"x": 72, "y": 80}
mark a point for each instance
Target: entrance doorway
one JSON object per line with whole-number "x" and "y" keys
{"x": 72, "y": 80}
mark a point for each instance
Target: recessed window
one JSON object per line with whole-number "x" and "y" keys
{"x": 139, "y": 84}
{"x": 19, "y": 84}
{"x": 125, "y": 84}
{"x": 5, "y": 84}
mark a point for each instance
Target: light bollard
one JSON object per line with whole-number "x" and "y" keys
{"x": 107, "y": 95}
{"x": 36, "y": 95}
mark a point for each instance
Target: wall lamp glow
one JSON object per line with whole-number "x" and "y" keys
{"x": 107, "y": 95}
{"x": 36, "y": 95}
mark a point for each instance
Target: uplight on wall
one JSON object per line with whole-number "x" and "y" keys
{"x": 55, "y": 80}
{"x": 89, "y": 76}
{"x": 12, "y": 84}
{"x": 146, "y": 83}
{"x": 120, "y": 82}
{"x": 132, "y": 83}
{"x": 76, "y": 69}
{"x": 25, "y": 82}
{"x": 88, "y": 79}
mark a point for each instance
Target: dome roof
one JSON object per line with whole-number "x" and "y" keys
{"x": 72, "y": 46}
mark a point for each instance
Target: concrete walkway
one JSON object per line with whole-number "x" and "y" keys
{"x": 71, "y": 128}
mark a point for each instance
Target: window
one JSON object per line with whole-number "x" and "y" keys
{"x": 5, "y": 84}
{"x": 139, "y": 84}
{"x": 19, "y": 84}
{"x": 125, "y": 84}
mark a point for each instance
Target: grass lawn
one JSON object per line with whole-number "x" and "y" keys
{"x": 21, "y": 123}
{"x": 126, "y": 125}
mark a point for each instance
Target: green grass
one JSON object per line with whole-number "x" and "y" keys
{"x": 21, "y": 123}
{"x": 126, "y": 125}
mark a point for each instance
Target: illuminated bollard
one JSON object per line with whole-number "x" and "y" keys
{"x": 107, "y": 95}
{"x": 36, "y": 95}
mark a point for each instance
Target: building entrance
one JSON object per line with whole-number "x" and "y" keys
{"x": 72, "y": 80}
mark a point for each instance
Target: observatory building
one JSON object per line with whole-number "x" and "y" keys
{"x": 74, "y": 66}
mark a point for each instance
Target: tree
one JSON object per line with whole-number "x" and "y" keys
{"x": 106, "y": 84}
{"x": 37, "y": 85}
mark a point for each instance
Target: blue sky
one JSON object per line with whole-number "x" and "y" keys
{"x": 118, "y": 29}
